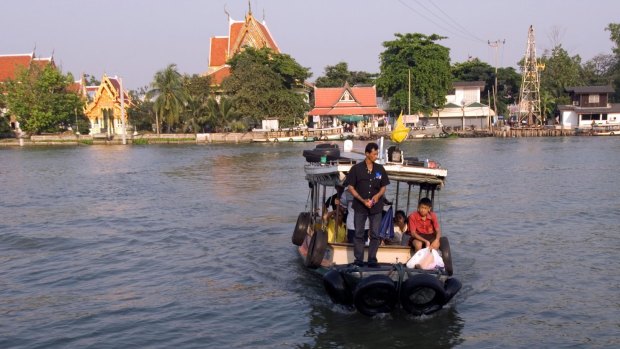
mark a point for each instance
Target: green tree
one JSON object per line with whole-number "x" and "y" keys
{"x": 220, "y": 115}
{"x": 508, "y": 85}
{"x": 91, "y": 80}
{"x": 560, "y": 71}
{"x": 614, "y": 35}
{"x": 167, "y": 89}
{"x": 40, "y": 100}
{"x": 508, "y": 81}
{"x": 599, "y": 70}
{"x": 337, "y": 75}
{"x": 429, "y": 64}
{"x": 197, "y": 89}
{"x": 142, "y": 110}
{"x": 262, "y": 85}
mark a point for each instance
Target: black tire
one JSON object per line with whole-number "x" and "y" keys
{"x": 305, "y": 138}
{"x": 342, "y": 136}
{"x": 446, "y": 255}
{"x": 324, "y": 138}
{"x": 304, "y": 220}
{"x": 276, "y": 140}
{"x": 611, "y": 133}
{"x": 424, "y": 128}
{"x": 316, "y": 249}
{"x": 375, "y": 294}
{"x": 290, "y": 139}
{"x": 316, "y": 139}
{"x": 422, "y": 294}
{"x": 452, "y": 287}
{"x": 337, "y": 288}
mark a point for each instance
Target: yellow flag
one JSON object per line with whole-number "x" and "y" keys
{"x": 400, "y": 131}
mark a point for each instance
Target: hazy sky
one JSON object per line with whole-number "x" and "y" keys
{"x": 135, "y": 38}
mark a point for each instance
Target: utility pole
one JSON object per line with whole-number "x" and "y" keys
{"x": 495, "y": 44}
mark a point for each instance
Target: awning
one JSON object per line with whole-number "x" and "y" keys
{"x": 351, "y": 118}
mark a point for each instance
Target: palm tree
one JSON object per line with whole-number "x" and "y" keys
{"x": 221, "y": 114}
{"x": 167, "y": 88}
{"x": 196, "y": 114}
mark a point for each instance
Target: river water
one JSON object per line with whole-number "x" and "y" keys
{"x": 189, "y": 247}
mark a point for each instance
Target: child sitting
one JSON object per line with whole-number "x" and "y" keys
{"x": 334, "y": 221}
{"x": 424, "y": 226}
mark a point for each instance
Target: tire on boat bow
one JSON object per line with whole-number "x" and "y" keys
{"x": 422, "y": 294}
{"x": 375, "y": 294}
{"x": 301, "y": 228}
{"x": 316, "y": 249}
{"x": 336, "y": 288}
{"x": 446, "y": 255}
{"x": 452, "y": 286}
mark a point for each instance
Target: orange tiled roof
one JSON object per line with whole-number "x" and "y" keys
{"x": 75, "y": 87}
{"x": 218, "y": 76}
{"x": 234, "y": 30}
{"x": 347, "y": 111}
{"x": 219, "y": 48}
{"x": 329, "y": 96}
{"x": 10, "y": 64}
{"x": 327, "y": 101}
{"x": 223, "y": 48}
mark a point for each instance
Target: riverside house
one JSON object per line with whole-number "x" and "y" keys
{"x": 589, "y": 107}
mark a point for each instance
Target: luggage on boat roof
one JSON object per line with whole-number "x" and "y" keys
{"x": 329, "y": 150}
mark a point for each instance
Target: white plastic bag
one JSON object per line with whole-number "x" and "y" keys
{"x": 426, "y": 259}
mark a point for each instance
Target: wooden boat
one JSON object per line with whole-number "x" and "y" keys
{"x": 301, "y": 134}
{"x": 373, "y": 290}
{"x": 606, "y": 130}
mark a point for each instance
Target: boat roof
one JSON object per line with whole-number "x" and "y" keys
{"x": 334, "y": 172}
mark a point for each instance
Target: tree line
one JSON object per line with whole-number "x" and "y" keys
{"x": 264, "y": 84}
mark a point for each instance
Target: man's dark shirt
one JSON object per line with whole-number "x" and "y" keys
{"x": 367, "y": 185}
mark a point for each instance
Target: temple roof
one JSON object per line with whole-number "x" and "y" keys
{"x": 110, "y": 86}
{"x": 357, "y": 100}
{"x": 10, "y": 64}
{"x": 249, "y": 32}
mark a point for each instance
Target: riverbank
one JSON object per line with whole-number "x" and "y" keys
{"x": 247, "y": 137}
{"x": 140, "y": 139}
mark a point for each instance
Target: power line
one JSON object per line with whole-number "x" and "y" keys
{"x": 456, "y": 33}
{"x": 452, "y": 20}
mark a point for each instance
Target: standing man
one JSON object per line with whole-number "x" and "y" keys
{"x": 367, "y": 181}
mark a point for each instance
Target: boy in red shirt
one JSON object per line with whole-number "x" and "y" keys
{"x": 424, "y": 226}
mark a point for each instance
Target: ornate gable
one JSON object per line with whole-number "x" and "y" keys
{"x": 253, "y": 34}
{"x": 346, "y": 97}
{"x": 249, "y": 32}
{"x": 107, "y": 96}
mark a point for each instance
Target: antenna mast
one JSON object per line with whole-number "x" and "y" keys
{"x": 529, "y": 95}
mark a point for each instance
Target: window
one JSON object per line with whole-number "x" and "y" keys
{"x": 586, "y": 117}
{"x": 592, "y": 99}
{"x": 604, "y": 117}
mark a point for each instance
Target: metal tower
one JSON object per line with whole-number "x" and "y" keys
{"x": 529, "y": 95}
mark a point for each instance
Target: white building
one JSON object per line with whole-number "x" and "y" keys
{"x": 589, "y": 106}
{"x": 463, "y": 108}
